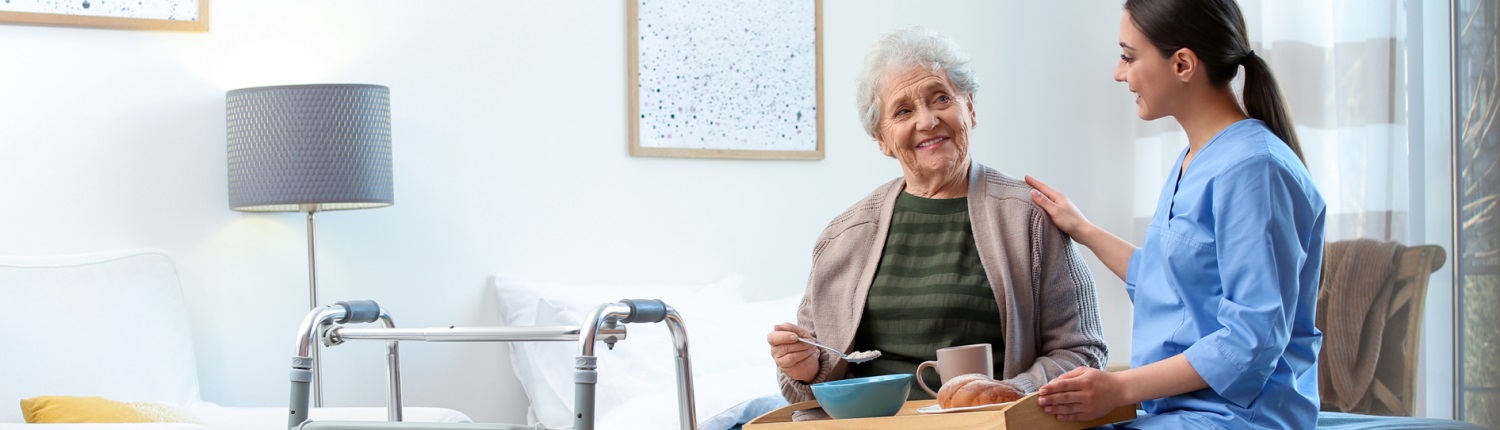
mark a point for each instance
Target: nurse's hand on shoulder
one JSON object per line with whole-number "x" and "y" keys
{"x": 1067, "y": 217}
{"x": 1082, "y": 394}
{"x": 797, "y": 360}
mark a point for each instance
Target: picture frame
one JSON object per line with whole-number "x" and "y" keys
{"x": 726, "y": 79}
{"x": 169, "y": 15}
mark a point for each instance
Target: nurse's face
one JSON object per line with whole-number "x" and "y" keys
{"x": 1150, "y": 75}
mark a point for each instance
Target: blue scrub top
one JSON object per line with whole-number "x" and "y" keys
{"x": 1229, "y": 277}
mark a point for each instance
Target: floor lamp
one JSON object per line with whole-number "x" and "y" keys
{"x": 310, "y": 148}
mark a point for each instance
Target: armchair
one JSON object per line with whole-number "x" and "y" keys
{"x": 1370, "y": 305}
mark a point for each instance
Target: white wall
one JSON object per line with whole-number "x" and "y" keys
{"x": 510, "y": 151}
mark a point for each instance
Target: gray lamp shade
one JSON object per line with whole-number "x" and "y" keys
{"x": 310, "y": 148}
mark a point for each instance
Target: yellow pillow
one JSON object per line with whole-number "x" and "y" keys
{"x": 70, "y": 409}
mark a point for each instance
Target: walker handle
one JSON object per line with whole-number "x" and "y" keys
{"x": 359, "y": 311}
{"x": 645, "y": 310}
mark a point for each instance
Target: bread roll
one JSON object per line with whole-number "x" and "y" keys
{"x": 975, "y": 389}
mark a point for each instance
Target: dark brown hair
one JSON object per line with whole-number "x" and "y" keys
{"x": 1215, "y": 31}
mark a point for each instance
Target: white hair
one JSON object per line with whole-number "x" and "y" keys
{"x": 903, "y": 50}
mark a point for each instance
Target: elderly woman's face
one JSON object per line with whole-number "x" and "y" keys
{"x": 924, "y": 122}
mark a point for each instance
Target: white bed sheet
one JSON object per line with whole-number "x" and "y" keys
{"x": 134, "y": 426}
{"x": 232, "y": 418}
{"x": 733, "y": 373}
{"x": 723, "y": 400}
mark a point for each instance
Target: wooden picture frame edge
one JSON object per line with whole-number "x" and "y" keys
{"x": 633, "y": 34}
{"x": 64, "y": 20}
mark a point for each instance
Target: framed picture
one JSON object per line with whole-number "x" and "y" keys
{"x": 726, "y": 78}
{"x": 179, "y": 15}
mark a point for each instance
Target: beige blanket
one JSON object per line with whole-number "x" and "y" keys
{"x": 1355, "y": 299}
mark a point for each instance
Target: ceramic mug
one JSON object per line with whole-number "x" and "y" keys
{"x": 958, "y": 360}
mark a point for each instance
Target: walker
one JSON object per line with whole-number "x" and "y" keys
{"x": 606, "y": 323}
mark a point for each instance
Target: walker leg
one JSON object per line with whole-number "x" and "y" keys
{"x": 301, "y": 378}
{"x": 585, "y": 379}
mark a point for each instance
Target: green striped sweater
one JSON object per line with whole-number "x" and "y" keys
{"x": 930, "y": 292}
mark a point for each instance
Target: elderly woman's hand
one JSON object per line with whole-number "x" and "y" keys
{"x": 1066, "y": 216}
{"x": 797, "y": 360}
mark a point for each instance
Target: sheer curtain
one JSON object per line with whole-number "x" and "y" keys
{"x": 1354, "y": 93}
{"x": 1337, "y": 66}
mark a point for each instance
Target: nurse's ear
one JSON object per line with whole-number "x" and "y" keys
{"x": 1185, "y": 64}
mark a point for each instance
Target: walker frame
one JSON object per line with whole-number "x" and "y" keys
{"x": 605, "y": 324}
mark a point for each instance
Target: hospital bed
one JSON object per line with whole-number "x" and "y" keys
{"x": 607, "y": 323}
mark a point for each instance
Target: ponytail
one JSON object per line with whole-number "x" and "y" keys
{"x": 1263, "y": 102}
{"x": 1215, "y": 31}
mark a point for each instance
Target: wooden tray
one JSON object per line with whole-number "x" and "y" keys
{"x": 1023, "y": 414}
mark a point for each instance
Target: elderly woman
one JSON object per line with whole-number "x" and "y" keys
{"x": 950, "y": 253}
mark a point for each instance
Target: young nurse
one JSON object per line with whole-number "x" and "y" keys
{"x": 1226, "y": 284}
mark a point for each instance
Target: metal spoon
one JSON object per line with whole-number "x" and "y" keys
{"x": 853, "y": 357}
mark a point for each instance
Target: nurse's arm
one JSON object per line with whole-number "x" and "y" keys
{"x": 1110, "y": 249}
{"x": 1086, "y": 394}
{"x": 1164, "y": 378}
{"x": 1113, "y": 251}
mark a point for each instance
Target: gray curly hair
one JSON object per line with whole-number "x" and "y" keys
{"x": 901, "y": 50}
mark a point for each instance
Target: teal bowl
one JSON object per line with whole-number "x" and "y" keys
{"x": 871, "y": 396}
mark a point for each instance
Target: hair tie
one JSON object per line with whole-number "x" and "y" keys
{"x": 1247, "y": 57}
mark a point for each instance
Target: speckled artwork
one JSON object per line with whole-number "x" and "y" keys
{"x": 173, "y": 10}
{"x": 727, "y": 76}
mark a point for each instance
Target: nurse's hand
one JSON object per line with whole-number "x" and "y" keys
{"x": 797, "y": 360}
{"x": 1067, "y": 217}
{"x": 1112, "y": 250}
{"x": 1082, "y": 394}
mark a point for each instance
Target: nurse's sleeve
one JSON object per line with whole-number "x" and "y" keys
{"x": 1259, "y": 258}
{"x": 1131, "y": 274}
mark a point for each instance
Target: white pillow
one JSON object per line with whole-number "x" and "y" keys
{"x": 644, "y": 358}
{"x": 734, "y": 377}
{"x": 112, "y": 325}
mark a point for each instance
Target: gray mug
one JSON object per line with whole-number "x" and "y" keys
{"x": 958, "y": 360}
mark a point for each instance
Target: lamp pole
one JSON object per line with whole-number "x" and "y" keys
{"x": 312, "y": 301}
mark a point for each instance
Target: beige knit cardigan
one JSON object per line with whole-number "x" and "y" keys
{"x": 1047, "y": 305}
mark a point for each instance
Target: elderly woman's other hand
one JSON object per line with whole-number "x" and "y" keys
{"x": 1067, "y": 217}
{"x": 797, "y": 360}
